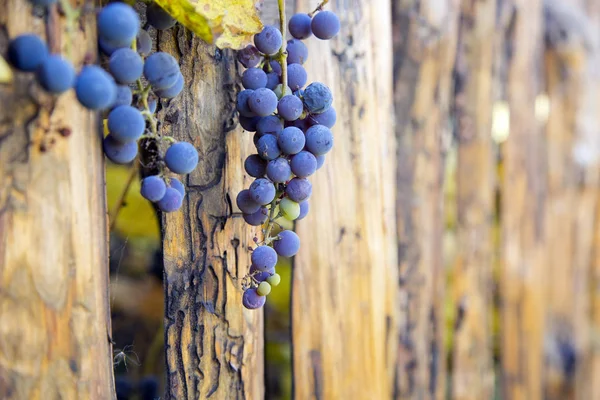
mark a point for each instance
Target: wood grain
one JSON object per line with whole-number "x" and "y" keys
{"x": 54, "y": 314}
{"x": 214, "y": 346}
{"x": 345, "y": 275}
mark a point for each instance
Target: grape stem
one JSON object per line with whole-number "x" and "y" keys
{"x": 71, "y": 16}
{"x": 282, "y": 55}
{"x": 319, "y": 8}
{"x": 144, "y": 91}
{"x": 121, "y": 200}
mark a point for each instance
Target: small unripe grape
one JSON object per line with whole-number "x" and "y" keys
{"x": 274, "y": 280}
{"x": 264, "y": 288}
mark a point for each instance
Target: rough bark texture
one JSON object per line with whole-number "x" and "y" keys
{"x": 425, "y": 34}
{"x": 344, "y": 289}
{"x": 214, "y": 346}
{"x": 473, "y": 374}
{"x": 54, "y": 314}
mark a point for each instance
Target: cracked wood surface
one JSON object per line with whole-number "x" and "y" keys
{"x": 54, "y": 313}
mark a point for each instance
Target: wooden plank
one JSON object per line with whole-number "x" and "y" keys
{"x": 425, "y": 34}
{"x": 473, "y": 373}
{"x": 54, "y": 313}
{"x": 345, "y": 275}
{"x": 214, "y": 346}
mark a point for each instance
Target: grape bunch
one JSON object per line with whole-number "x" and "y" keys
{"x": 292, "y": 125}
{"x": 127, "y": 91}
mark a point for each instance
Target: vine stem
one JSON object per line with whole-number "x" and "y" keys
{"x": 282, "y": 56}
{"x": 121, "y": 200}
{"x": 71, "y": 16}
{"x": 319, "y": 8}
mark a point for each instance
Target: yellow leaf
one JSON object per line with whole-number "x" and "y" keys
{"x": 6, "y": 75}
{"x": 227, "y": 23}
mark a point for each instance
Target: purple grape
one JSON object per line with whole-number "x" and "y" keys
{"x": 181, "y": 158}
{"x": 317, "y": 98}
{"x": 249, "y": 56}
{"x": 108, "y": 49}
{"x": 161, "y": 70}
{"x": 264, "y": 258}
{"x": 27, "y": 52}
{"x": 255, "y": 138}
{"x": 125, "y": 65}
{"x": 153, "y": 188}
{"x": 158, "y": 17}
{"x": 267, "y": 147}
{"x": 126, "y": 124}
{"x": 319, "y": 140}
{"x": 296, "y": 76}
{"x": 299, "y": 26}
{"x": 325, "y": 25}
{"x": 301, "y": 124}
{"x": 172, "y": 91}
{"x": 261, "y": 276}
{"x": 177, "y": 185}
{"x": 258, "y": 218}
{"x": 278, "y": 170}
{"x": 252, "y": 300}
{"x": 297, "y": 52}
{"x": 272, "y": 80}
{"x": 255, "y": 166}
{"x": 291, "y": 140}
{"x": 119, "y": 153}
{"x": 254, "y": 78}
{"x": 262, "y": 191}
{"x": 124, "y": 96}
{"x": 298, "y": 189}
{"x": 95, "y": 88}
{"x": 326, "y": 118}
{"x": 148, "y": 386}
{"x": 171, "y": 201}
{"x": 56, "y": 74}
{"x": 262, "y": 102}
{"x": 271, "y": 124}
{"x": 288, "y": 244}
{"x": 268, "y": 41}
{"x": 118, "y": 24}
{"x": 249, "y": 123}
{"x": 304, "y": 208}
{"x": 242, "y": 103}
{"x": 303, "y": 164}
{"x": 246, "y": 203}
{"x": 290, "y": 108}
{"x": 275, "y": 67}
{"x": 143, "y": 42}
{"x": 320, "y": 161}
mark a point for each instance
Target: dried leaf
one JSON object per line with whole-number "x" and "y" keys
{"x": 227, "y": 23}
{"x": 6, "y": 75}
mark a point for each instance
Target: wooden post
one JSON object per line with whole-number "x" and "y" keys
{"x": 214, "y": 346}
{"x": 425, "y": 34}
{"x": 345, "y": 275}
{"x": 54, "y": 313}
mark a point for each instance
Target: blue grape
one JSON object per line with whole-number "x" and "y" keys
{"x": 252, "y": 300}
{"x": 255, "y": 138}
{"x": 325, "y": 25}
{"x": 172, "y": 91}
{"x": 42, "y": 3}
{"x": 171, "y": 201}
{"x": 326, "y": 118}
{"x": 262, "y": 191}
{"x": 291, "y": 140}
{"x": 319, "y": 140}
{"x": 301, "y": 124}
{"x": 177, "y": 185}
{"x": 304, "y": 208}
{"x": 158, "y": 17}
{"x": 290, "y": 108}
{"x": 126, "y": 124}
{"x": 278, "y": 170}
{"x": 125, "y": 65}
{"x": 275, "y": 67}
{"x": 56, "y": 74}
{"x": 249, "y": 123}
{"x": 246, "y": 203}
{"x": 270, "y": 124}
{"x": 320, "y": 161}
{"x": 27, "y": 52}
{"x": 298, "y": 189}
{"x": 262, "y": 102}
{"x": 249, "y": 56}
{"x": 296, "y": 76}
{"x": 297, "y": 52}
{"x": 118, "y": 24}
{"x": 95, "y": 88}
{"x": 299, "y": 26}
{"x": 107, "y": 48}
{"x": 124, "y": 96}
{"x": 148, "y": 386}
{"x": 161, "y": 70}
{"x": 264, "y": 258}
{"x": 254, "y": 78}
{"x": 317, "y": 98}
{"x": 123, "y": 388}
{"x": 143, "y": 42}
{"x": 181, "y": 158}
{"x": 288, "y": 244}
{"x": 267, "y": 147}
{"x": 257, "y": 218}
{"x": 255, "y": 166}
{"x": 272, "y": 80}
{"x": 259, "y": 275}
{"x": 269, "y": 40}
{"x": 153, "y": 188}
{"x": 119, "y": 153}
{"x": 242, "y": 103}
{"x": 303, "y": 164}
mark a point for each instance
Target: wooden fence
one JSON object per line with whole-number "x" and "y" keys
{"x": 451, "y": 250}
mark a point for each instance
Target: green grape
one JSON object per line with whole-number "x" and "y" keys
{"x": 263, "y": 289}
{"x": 274, "y": 280}
{"x": 279, "y": 91}
{"x": 289, "y": 209}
